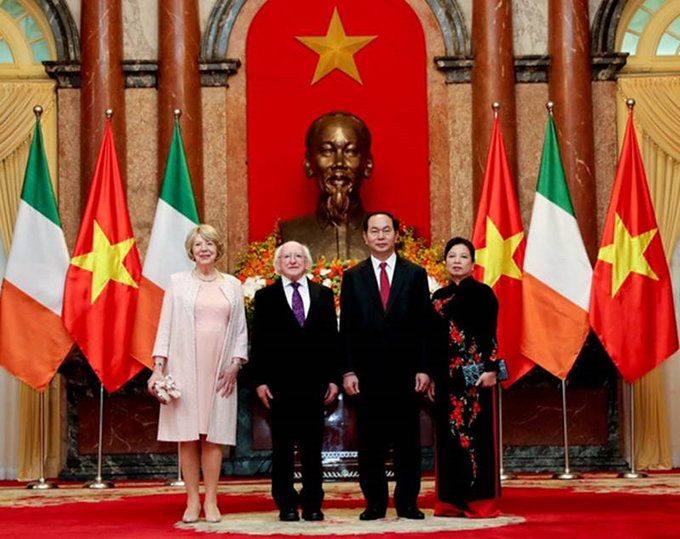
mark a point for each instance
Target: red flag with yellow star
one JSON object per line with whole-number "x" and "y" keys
{"x": 499, "y": 241}
{"x": 102, "y": 281}
{"x": 631, "y": 307}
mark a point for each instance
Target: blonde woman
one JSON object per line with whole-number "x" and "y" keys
{"x": 202, "y": 343}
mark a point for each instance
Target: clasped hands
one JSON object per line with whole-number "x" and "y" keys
{"x": 226, "y": 381}
{"x": 487, "y": 379}
{"x": 350, "y": 383}
{"x": 265, "y": 395}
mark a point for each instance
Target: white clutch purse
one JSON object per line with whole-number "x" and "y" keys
{"x": 166, "y": 389}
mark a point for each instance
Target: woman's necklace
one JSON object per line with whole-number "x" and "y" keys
{"x": 198, "y": 276}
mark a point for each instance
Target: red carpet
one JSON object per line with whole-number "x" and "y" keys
{"x": 600, "y": 506}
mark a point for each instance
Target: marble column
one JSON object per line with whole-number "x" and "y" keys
{"x": 493, "y": 79}
{"x": 102, "y": 84}
{"x": 570, "y": 88}
{"x": 179, "y": 86}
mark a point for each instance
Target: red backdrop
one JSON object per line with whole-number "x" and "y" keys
{"x": 282, "y": 103}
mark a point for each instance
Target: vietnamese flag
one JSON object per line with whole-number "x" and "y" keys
{"x": 102, "y": 282}
{"x": 500, "y": 244}
{"x": 631, "y": 308}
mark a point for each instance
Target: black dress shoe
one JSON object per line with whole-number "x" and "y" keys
{"x": 316, "y": 514}
{"x": 372, "y": 513}
{"x": 289, "y": 515}
{"x": 411, "y": 512}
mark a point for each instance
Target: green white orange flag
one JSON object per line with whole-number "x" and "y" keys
{"x": 102, "y": 282}
{"x": 557, "y": 272}
{"x": 498, "y": 238}
{"x": 33, "y": 339}
{"x": 631, "y": 308}
{"x": 176, "y": 215}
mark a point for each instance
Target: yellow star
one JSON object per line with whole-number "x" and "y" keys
{"x": 627, "y": 254}
{"x": 336, "y": 50}
{"x": 497, "y": 257}
{"x": 105, "y": 261}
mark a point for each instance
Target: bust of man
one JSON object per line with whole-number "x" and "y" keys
{"x": 338, "y": 157}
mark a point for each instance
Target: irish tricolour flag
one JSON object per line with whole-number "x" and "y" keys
{"x": 33, "y": 340}
{"x": 176, "y": 215}
{"x": 557, "y": 272}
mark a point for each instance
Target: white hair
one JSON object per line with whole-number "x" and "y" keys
{"x": 277, "y": 255}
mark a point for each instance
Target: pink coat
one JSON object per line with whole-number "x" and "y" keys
{"x": 175, "y": 340}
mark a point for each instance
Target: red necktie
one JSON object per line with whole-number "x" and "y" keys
{"x": 384, "y": 285}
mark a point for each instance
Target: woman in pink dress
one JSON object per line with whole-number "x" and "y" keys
{"x": 202, "y": 343}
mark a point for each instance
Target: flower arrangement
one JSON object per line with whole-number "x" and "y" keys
{"x": 256, "y": 267}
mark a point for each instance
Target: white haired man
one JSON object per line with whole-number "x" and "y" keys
{"x": 295, "y": 363}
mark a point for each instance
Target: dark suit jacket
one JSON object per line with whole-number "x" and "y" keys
{"x": 294, "y": 360}
{"x": 385, "y": 349}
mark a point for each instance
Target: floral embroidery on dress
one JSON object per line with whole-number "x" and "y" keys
{"x": 464, "y": 409}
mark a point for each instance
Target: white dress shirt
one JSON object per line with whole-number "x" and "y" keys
{"x": 389, "y": 268}
{"x": 303, "y": 289}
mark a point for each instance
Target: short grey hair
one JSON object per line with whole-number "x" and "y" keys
{"x": 305, "y": 251}
{"x": 207, "y": 232}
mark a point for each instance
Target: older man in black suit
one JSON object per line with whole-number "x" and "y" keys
{"x": 384, "y": 308}
{"x": 295, "y": 362}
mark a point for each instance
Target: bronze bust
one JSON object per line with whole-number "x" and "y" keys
{"x": 339, "y": 157}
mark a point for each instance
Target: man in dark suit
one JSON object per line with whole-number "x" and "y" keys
{"x": 295, "y": 362}
{"x": 384, "y": 307}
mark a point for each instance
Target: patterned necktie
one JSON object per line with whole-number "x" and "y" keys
{"x": 384, "y": 285}
{"x": 298, "y": 307}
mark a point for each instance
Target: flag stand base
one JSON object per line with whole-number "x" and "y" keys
{"x": 41, "y": 484}
{"x": 175, "y": 483}
{"x": 632, "y": 475}
{"x": 98, "y": 484}
{"x": 508, "y": 476}
{"x": 567, "y": 475}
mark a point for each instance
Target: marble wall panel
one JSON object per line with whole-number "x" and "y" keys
{"x": 531, "y": 121}
{"x": 438, "y": 119}
{"x": 533, "y": 417}
{"x": 140, "y": 21}
{"x": 606, "y": 145}
{"x": 460, "y": 135}
{"x": 530, "y": 27}
{"x": 74, "y": 8}
{"x": 215, "y": 158}
{"x": 593, "y": 6}
{"x": 140, "y": 30}
{"x": 142, "y": 168}
{"x": 530, "y": 23}
{"x": 130, "y": 426}
{"x": 68, "y": 185}
{"x": 466, "y": 8}
{"x": 205, "y": 7}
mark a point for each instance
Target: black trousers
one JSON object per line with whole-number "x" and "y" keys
{"x": 381, "y": 420}
{"x": 298, "y": 420}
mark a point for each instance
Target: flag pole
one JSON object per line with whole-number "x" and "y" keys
{"x": 566, "y": 473}
{"x": 633, "y": 473}
{"x": 98, "y": 483}
{"x": 505, "y": 476}
{"x": 42, "y": 484}
{"x": 178, "y": 482}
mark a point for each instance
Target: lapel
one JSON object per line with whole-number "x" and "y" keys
{"x": 398, "y": 279}
{"x": 313, "y": 297}
{"x": 368, "y": 274}
{"x": 283, "y": 301}
{"x": 228, "y": 290}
